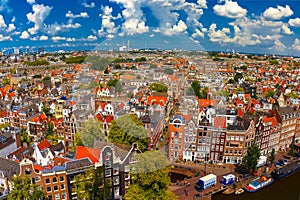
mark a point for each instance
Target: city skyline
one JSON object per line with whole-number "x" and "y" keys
{"x": 266, "y": 27}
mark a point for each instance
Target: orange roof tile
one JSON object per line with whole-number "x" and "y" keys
{"x": 44, "y": 144}
{"x": 86, "y": 152}
{"x": 220, "y": 122}
{"x": 207, "y": 102}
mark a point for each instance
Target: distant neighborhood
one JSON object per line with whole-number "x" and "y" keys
{"x": 63, "y": 114}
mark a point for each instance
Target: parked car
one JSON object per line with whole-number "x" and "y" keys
{"x": 285, "y": 162}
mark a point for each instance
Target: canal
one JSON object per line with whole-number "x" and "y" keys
{"x": 287, "y": 188}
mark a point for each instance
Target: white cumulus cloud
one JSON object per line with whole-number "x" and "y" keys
{"x": 4, "y": 38}
{"x": 24, "y": 35}
{"x": 92, "y": 38}
{"x": 230, "y": 9}
{"x": 294, "y": 22}
{"x": 2, "y": 22}
{"x": 272, "y": 13}
{"x": 31, "y": 1}
{"x": 43, "y": 37}
{"x": 11, "y": 27}
{"x": 69, "y": 14}
{"x": 179, "y": 28}
{"x": 296, "y": 44}
{"x": 86, "y": 5}
{"x": 40, "y": 13}
{"x": 286, "y": 29}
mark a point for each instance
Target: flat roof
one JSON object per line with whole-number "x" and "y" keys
{"x": 208, "y": 177}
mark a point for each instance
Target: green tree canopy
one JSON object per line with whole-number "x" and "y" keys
{"x": 23, "y": 189}
{"x": 200, "y": 92}
{"x": 150, "y": 176}
{"x": 169, "y": 71}
{"x": 91, "y": 185}
{"x": 92, "y": 130}
{"x": 73, "y": 60}
{"x": 128, "y": 129}
{"x": 159, "y": 87}
{"x": 272, "y": 157}
{"x": 25, "y": 138}
{"x": 270, "y": 94}
{"x": 5, "y": 81}
{"x": 238, "y": 76}
{"x": 98, "y": 63}
{"x": 37, "y": 63}
{"x": 251, "y": 158}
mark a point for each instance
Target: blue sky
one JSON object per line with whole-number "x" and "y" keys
{"x": 271, "y": 27}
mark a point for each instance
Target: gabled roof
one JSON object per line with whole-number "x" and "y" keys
{"x": 44, "y": 144}
{"x": 207, "y": 102}
{"x": 86, "y": 152}
{"x": 76, "y": 164}
{"x": 220, "y": 122}
{"x": 10, "y": 167}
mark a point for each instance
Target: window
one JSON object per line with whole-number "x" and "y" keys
{"x": 116, "y": 171}
{"x": 63, "y": 196}
{"x": 61, "y": 178}
{"x": 62, "y": 186}
{"x": 57, "y": 197}
{"x": 107, "y": 172}
{"x": 54, "y": 179}
{"x": 50, "y": 197}
{"x": 47, "y": 180}
{"x": 107, "y": 164}
{"x": 48, "y": 189}
{"x": 116, "y": 180}
{"x": 55, "y": 187}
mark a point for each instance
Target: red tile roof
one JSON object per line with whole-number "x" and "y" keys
{"x": 220, "y": 122}
{"x": 86, "y": 152}
{"x": 157, "y": 100}
{"x": 207, "y": 102}
{"x": 44, "y": 144}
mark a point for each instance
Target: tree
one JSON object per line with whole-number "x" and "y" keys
{"x": 238, "y": 76}
{"x": 51, "y": 134}
{"x": 159, "y": 87}
{"x": 128, "y": 129}
{"x": 190, "y": 91}
{"x": 25, "y": 138}
{"x": 150, "y": 176}
{"x": 292, "y": 150}
{"x": 24, "y": 189}
{"x": 92, "y": 130}
{"x": 270, "y": 94}
{"x": 272, "y": 157}
{"x": 5, "y": 81}
{"x": 46, "y": 111}
{"x": 169, "y": 71}
{"x": 91, "y": 185}
{"x": 251, "y": 158}
{"x": 118, "y": 87}
{"x": 196, "y": 87}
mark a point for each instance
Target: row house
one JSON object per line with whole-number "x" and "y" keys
{"x": 287, "y": 117}
{"x": 211, "y": 138}
{"x": 176, "y": 137}
{"x": 297, "y": 130}
{"x": 9, "y": 140}
{"x": 54, "y": 183}
{"x": 153, "y": 120}
{"x": 239, "y": 137}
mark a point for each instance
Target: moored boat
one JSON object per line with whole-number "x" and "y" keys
{"x": 259, "y": 183}
{"x": 286, "y": 170}
{"x": 239, "y": 191}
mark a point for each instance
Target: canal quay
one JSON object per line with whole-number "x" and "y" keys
{"x": 183, "y": 184}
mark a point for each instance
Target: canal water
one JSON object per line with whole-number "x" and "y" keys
{"x": 287, "y": 188}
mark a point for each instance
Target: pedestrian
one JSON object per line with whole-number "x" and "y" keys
{"x": 186, "y": 192}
